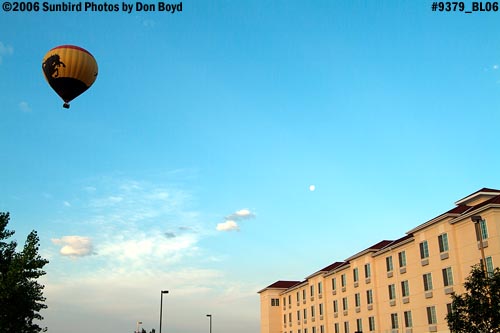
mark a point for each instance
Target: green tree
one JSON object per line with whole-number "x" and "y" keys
{"x": 478, "y": 309}
{"x": 21, "y": 296}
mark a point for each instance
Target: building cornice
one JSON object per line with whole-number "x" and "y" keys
{"x": 433, "y": 221}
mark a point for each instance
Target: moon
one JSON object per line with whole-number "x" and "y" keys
{"x": 312, "y": 188}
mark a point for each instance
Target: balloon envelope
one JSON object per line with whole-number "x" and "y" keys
{"x": 70, "y": 70}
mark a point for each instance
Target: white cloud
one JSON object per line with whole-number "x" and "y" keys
{"x": 231, "y": 221}
{"x": 74, "y": 246}
{"x": 229, "y": 225}
{"x": 24, "y": 106}
{"x": 139, "y": 225}
{"x": 241, "y": 214}
{"x": 495, "y": 67}
{"x": 5, "y": 50}
{"x": 144, "y": 251}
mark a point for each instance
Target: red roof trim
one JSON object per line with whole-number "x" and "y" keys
{"x": 282, "y": 284}
{"x": 332, "y": 266}
{"x": 380, "y": 245}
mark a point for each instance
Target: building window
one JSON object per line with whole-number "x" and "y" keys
{"x": 275, "y": 302}
{"x": 305, "y": 314}
{"x": 284, "y": 301}
{"x": 431, "y": 315}
{"x": 447, "y": 277}
{"x": 402, "y": 259}
{"x": 298, "y": 297}
{"x": 408, "y": 321}
{"x": 388, "y": 263}
{"x": 405, "y": 288}
{"x": 357, "y": 299}
{"x": 312, "y": 290}
{"x": 298, "y": 314}
{"x": 371, "y": 323}
{"x": 369, "y": 296}
{"x": 313, "y": 313}
{"x": 484, "y": 230}
{"x": 314, "y": 329}
{"x": 424, "y": 250}
{"x": 443, "y": 243}
{"x": 320, "y": 288}
{"x": 427, "y": 281}
{"x": 394, "y": 321}
{"x": 320, "y": 309}
{"x": 344, "y": 304}
{"x": 346, "y": 326}
{"x": 489, "y": 265}
{"x": 289, "y": 299}
{"x": 337, "y": 327}
{"x": 305, "y": 330}
{"x": 359, "y": 325}
{"x": 355, "y": 274}
{"x": 303, "y": 294}
{"x": 334, "y": 284}
{"x": 322, "y": 329}
{"x": 290, "y": 317}
{"x": 368, "y": 272}
{"x": 284, "y": 319}
{"x": 392, "y": 291}
{"x": 343, "y": 280}
{"x": 335, "y": 306}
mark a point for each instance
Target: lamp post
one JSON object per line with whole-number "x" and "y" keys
{"x": 138, "y": 323}
{"x": 479, "y": 233}
{"x": 210, "y": 316}
{"x": 161, "y": 305}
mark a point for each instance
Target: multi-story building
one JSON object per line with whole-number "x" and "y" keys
{"x": 402, "y": 285}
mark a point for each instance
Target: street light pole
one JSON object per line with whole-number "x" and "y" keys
{"x": 138, "y": 323}
{"x": 161, "y": 305}
{"x": 210, "y": 316}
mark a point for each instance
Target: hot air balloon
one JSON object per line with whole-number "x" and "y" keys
{"x": 70, "y": 70}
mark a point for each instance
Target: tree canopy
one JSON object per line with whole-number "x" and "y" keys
{"x": 478, "y": 309}
{"x": 21, "y": 295}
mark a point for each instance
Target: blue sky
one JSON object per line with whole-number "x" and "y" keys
{"x": 187, "y": 165}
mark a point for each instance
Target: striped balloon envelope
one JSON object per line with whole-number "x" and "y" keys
{"x": 70, "y": 70}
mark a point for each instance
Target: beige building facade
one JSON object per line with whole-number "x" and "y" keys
{"x": 394, "y": 286}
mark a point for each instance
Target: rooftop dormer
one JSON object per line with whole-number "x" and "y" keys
{"x": 478, "y": 197}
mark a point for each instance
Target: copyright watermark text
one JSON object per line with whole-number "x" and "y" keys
{"x": 91, "y": 6}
